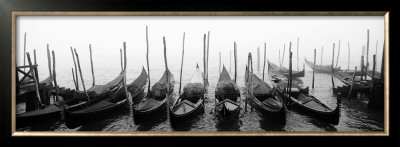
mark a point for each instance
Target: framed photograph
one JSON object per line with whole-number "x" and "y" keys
{"x": 192, "y": 73}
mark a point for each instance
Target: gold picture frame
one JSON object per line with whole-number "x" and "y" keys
{"x": 15, "y": 133}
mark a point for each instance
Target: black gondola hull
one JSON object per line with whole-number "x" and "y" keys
{"x": 176, "y": 118}
{"x": 24, "y": 121}
{"x": 225, "y": 115}
{"x": 277, "y": 115}
{"x": 140, "y": 117}
{"x": 330, "y": 117}
{"x": 73, "y": 120}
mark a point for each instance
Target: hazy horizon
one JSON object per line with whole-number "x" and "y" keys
{"x": 106, "y": 35}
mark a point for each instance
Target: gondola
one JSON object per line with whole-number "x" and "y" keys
{"x": 78, "y": 101}
{"x": 191, "y": 101}
{"x": 262, "y": 98}
{"x": 322, "y": 68}
{"x": 227, "y": 94}
{"x": 284, "y": 71}
{"x": 302, "y": 100}
{"x": 116, "y": 101}
{"x": 155, "y": 101}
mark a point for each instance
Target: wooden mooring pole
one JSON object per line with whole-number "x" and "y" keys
{"x": 80, "y": 73}
{"x": 54, "y": 73}
{"x": 249, "y": 90}
{"x": 35, "y": 63}
{"x": 147, "y": 58}
{"x": 167, "y": 70}
{"x": 235, "y": 57}
{"x": 348, "y": 56}
{"x": 367, "y": 62}
{"x": 73, "y": 76}
{"x": 247, "y": 80}
{"x": 24, "y": 49}
{"x": 76, "y": 71}
{"x": 49, "y": 62}
{"x": 321, "y": 54}
{"x": 265, "y": 56}
{"x": 91, "y": 64}
{"x": 313, "y": 73}
{"x": 333, "y": 60}
{"x": 362, "y": 63}
{"x": 337, "y": 59}
{"x": 208, "y": 49}
{"x": 280, "y": 61}
{"x": 297, "y": 54}
{"x": 204, "y": 58}
{"x": 251, "y": 80}
{"x": 382, "y": 63}
{"x": 183, "y": 52}
{"x": 204, "y": 68}
{"x": 290, "y": 69}
{"x": 35, "y": 81}
{"x": 352, "y": 83}
{"x": 127, "y": 94}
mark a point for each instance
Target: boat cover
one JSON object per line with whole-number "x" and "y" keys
{"x": 159, "y": 89}
{"x": 93, "y": 92}
{"x": 149, "y": 104}
{"x": 116, "y": 81}
{"x": 193, "y": 91}
{"x": 95, "y": 107}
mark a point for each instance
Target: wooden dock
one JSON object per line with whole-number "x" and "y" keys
{"x": 26, "y": 90}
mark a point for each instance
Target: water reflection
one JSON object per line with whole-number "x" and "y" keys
{"x": 48, "y": 125}
{"x": 233, "y": 125}
{"x": 268, "y": 124}
{"x": 152, "y": 121}
{"x": 188, "y": 124}
{"x": 100, "y": 123}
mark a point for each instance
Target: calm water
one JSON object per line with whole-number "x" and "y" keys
{"x": 354, "y": 113}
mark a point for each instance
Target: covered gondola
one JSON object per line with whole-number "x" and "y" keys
{"x": 191, "y": 102}
{"x": 118, "y": 100}
{"x": 300, "y": 99}
{"x": 285, "y": 72}
{"x": 322, "y": 68}
{"x": 263, "y": 99}
{"x": 227, "y": 94}
{"x": 78, "y": 101}
{"x": 155, "y": 101}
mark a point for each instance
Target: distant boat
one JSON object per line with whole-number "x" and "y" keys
{"x": 345, "y": 76}
{"x": 191, "y": 102}
{"x": 155, "y": 101}
{"x": 227, "y": 94}
{"x": 111, "y": 104}
{"x": 285, "y": 72}
{"x": 302, "y": 100}
{"x": 322, "y": 68}
{"x": 263, "y": 99}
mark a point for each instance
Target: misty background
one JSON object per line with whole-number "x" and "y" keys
{"x": 106, "y": 35}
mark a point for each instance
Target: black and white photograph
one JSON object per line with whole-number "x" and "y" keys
{"x": 199, "y": 74}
